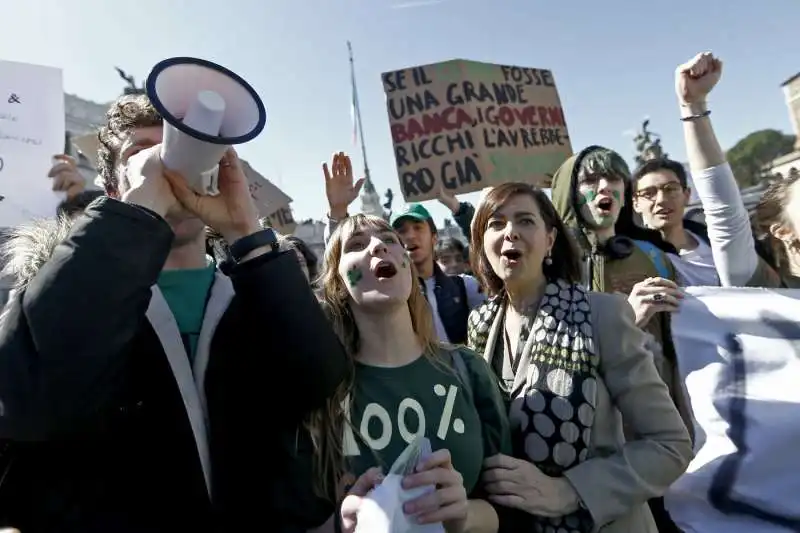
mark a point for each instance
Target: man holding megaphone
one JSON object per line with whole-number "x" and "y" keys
{"x": 139, "y": 383}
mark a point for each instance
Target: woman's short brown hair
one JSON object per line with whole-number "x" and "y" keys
{"x": 565, "y": 265}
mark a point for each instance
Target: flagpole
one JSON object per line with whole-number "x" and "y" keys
{"x": 359, "y": 125}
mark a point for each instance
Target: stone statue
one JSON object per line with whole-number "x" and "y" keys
{"x": 132, "y": 88}
{"x": 389, "y": 199}
{"x": 648, "y": 144}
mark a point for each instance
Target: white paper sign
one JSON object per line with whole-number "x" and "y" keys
{"x": 739, "y": 356}
{"x": 32, "y": 129}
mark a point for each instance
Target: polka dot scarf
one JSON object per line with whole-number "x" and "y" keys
{"x": 553, "y": 396}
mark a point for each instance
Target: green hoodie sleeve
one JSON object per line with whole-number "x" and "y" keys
{"x": 562, "y": 187}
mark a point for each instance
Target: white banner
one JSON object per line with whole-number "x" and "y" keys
{"x": 739, "y": 355}
{"x": 32, "y": 128}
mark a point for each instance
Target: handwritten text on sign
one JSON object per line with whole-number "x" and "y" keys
{"x": 31, "y": 130}
{"x": 464, "y": 125}
{"x": 738, "y": 351}
{"x": 271, "y": 202}
{"x": 282, "y": 220}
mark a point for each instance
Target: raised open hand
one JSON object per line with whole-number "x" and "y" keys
{"x": 339, "y": 186}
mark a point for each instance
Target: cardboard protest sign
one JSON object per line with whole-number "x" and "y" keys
{"x": 271, "y": 202}
{"x": 32, "y": 130}
{"x": 464, "y": 125}
{"x": 282, "y": 220}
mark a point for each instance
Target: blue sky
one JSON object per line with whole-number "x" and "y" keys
{"x": 613, "y": 64}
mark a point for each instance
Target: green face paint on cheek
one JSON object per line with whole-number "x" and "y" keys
{"x": 587, "y": 197}
{"x": 617, "y": 196}
{"x": 354, "y": 276}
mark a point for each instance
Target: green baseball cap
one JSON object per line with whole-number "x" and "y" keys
{"x": 411, "y": 211}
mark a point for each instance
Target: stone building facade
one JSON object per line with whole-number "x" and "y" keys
{"x": 789, "y": 164}
{"x": 84, "y": 117}
{"x": 791, "y": 93}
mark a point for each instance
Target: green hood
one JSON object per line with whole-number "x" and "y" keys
{"x": 565, "y": 199}
{"x": 565, "y": 193}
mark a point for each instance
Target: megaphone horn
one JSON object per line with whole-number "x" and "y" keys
{"x": 206, "y": 109}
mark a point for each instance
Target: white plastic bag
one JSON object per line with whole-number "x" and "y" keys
{"x": 382, "y": 509}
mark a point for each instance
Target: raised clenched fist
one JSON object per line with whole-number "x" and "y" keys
{"x": 695, "y": 78}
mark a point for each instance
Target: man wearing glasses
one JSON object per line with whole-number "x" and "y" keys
{"x": 661, "y": 194}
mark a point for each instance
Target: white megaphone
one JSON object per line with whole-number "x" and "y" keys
{"x": 206, "y": 109}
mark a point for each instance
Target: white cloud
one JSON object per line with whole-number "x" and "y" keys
{"x": 416, "y": 3}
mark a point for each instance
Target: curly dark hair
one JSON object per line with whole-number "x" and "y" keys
{"x": 126, "y": 114}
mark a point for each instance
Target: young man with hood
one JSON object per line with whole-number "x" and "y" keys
{"x": 592, "y": 194}
{"x": 136, "y": 376}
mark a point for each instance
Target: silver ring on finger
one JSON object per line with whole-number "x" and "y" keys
{"x": 658, "y": 297}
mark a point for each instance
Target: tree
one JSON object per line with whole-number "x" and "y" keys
{"x": 749, "y": 156}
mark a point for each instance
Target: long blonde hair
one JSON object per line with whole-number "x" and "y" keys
{"x": 327, "y": 424}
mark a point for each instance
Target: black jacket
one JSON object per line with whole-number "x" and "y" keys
{"x": 104, "y": 435}
{"x": 451, "y": 303}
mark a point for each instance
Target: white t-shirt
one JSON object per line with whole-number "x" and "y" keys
{"x": 728, "y": 225}
{"x": 696, "y": 267}
{"x": 474, "y": 298}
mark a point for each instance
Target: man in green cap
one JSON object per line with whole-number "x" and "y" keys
{"x": 451, "y": 297}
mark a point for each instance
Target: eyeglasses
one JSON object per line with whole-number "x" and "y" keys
{"x": 669, "y": 189}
